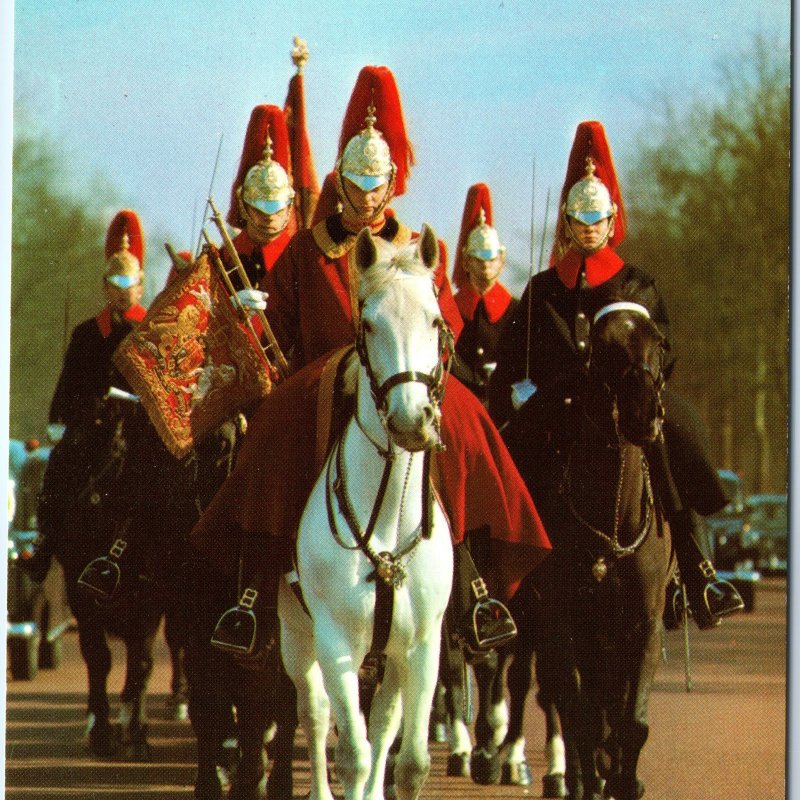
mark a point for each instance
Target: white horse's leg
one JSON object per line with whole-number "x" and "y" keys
{"x": 313, "y": 707}
{"x": 337, "y": 654}
{"x": 420, "y": 672}
{"x": 384, "y": 723}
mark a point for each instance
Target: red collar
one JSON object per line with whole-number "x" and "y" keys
{"x": 104, "y": 321}
{"x": 600, "y": 266}
{"x": 270, "y": 251}
{"x": 496, "y": 301}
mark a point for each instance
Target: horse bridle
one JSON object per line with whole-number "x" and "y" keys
{"x": 435, "y": 381}
{"x": 656, "y": 375}
{"x": 387, "y": 565}
{"x": 600, "y": 567}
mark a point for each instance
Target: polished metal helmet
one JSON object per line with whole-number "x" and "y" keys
{"x": 483, "y": 241}
{"x": 589, "y": 200}
{"x": 266, "y": 185}
{"x": 367, "y": 159}
{"x": 123, "y": 269}
{"x": 124, "y": 250}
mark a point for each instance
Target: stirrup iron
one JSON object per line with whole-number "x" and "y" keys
{"x": 236, "y": 629}
{"x": 101, "y": 576}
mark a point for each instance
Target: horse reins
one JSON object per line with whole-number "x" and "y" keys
{"x": 599, "y": 568}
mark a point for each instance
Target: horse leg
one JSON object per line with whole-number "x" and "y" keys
{"x": 252, "y": 710}
{"x": 97, "y": 657}
{"x": 418, "y": 682}
{"x": 174, "y": 637}
{"x": 384, "y": 723}
{"x": 133, "y": 714}
{"x": 281, "y": 748}
{"x": 452, "y": 676}
{"x": 491, "y": 724}
{"x": 514, "y": 769}
{"x": 313, "y": 705}
{"x": 337, "y": 657}
{"x": 553, "y": 784}
{"x": 632, "y": 729}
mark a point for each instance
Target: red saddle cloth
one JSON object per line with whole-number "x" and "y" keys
{"x": 266, "y": 493}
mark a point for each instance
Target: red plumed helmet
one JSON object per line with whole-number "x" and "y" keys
{"x": 479, "y": 198}
{"x": 273, "y": 186}
{"x": 375, "y": 113}
{"x": 125, "y": 233}
{"x": 590, "y": 171}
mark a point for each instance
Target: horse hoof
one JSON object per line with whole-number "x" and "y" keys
{"x": 251, "y": 790}
{"x": 484, "y": 768}
{"x": 279, "y": 785}
{"x": 138, "y": 750}
{"x": 102, "y": 739}
{"x": 458, "y": 765}
{"x": 209, "y": 789}
{"x": 616, "y": 789}
{"x": 554, "y": 785}
{"x": 518, "y": 774}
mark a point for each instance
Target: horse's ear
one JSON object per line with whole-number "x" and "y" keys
{"x": 366, "y": 251}
{"x": 428, "y": 246}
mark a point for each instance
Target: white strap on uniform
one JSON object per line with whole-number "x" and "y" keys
{"x": 622, "y": 305}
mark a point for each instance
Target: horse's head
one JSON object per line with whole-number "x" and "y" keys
{"x": 626, "y": 370}
{"x": 402, "y": 336}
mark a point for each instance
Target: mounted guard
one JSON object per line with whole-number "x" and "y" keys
{"x": 585, "y": 269}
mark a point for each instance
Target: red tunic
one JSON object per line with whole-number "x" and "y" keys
{"x": 311, "y": 306}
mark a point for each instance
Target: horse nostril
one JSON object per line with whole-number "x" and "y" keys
{"x": 427, "y": 413}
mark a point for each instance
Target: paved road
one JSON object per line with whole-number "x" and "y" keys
{"x": 724, "y": 739}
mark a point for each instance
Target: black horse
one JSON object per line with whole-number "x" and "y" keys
{"x": 231, "y": 703}
{"x": 600, "y": 594}
{"x": 85, "y": 510}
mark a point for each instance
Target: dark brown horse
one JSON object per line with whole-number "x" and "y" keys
{"x": 601, "y": 591}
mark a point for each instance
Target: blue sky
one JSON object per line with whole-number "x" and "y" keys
{"x": 141, "y": 93}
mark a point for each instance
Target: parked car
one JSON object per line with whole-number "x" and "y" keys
{"x": 767, "y": 531}
{"x": 728, "y": 543}
{"x": 724, "y": 529}
{"x": 38, "y": 614}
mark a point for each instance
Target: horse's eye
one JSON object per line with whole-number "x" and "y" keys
{"x": 367, "y": 326}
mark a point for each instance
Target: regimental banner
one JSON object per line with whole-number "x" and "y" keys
{"x": 191, "y": 361}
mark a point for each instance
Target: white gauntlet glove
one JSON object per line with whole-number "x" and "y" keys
{"x": 251, "y": 299}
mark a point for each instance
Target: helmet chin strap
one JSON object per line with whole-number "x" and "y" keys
{"x": 589, "y": 250}
{"x": 377, "y": 215}
{"x": 244, "y": 211}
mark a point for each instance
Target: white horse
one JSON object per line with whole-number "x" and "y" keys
{"x": 372, "y": 526}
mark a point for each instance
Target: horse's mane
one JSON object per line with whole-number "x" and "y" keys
{"x": 392, "y": 262}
